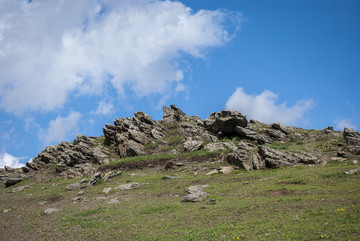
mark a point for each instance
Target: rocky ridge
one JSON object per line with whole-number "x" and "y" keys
{"x": 245, "y": 144}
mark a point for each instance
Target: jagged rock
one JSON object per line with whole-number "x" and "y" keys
{"x": 354, "y": 150}
{"x": 278, "y": 159}
{"x": 33, "y": 166}
{"x": 19, "y": 189}
{"x": 51, "y": 210}
{"x": 129, "y": 186}
{"x": 251, "y": 135}
{"x": 9, "y": 169}
{"x": 135, "y": 149}
{"x": 223, "y": 123}
{"x": 195, "y": 194}
{"x": 246, "y": 159}
{"x": 99, "y": 156}
{"x": 275, "y": 134}
{"x": 216, "y": 146}
{"x": 329, "y": 130}
{"x": 12, "y": 181}
{"x": 95, "y": 179}
{"x": 338, "y": 159}
{"x": 157, "y": 133}
{"x": 226, "y": 170}
{"x": 212, "y": 172}
{"x": 192, "y": 145}
{"x": 353, "y": 171}
{"x": 73, "y": 186}
{"x": 111, "y": 174}
{"x": 352, "y": 137}
{"x": 173, "y": 114}
{"x": 106, "y": 190}
{"x": 179, "y": 164}
{"x": 143, "y": 117}
{"x": 25, "y": 169}
{"x": 280, "y": 127}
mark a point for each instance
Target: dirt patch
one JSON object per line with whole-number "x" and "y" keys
{"x": 54, "y": 199}
{"x": 280, "y": 192}
{"x": 294, "y": 182}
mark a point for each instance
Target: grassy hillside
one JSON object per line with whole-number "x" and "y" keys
{"x": 297, "y": 203}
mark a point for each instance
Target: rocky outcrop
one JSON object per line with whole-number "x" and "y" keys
{"x": 278, "y": 159}
{"x": 224, "y": 123}
{"x": 247, "y": 145}
{"x": 173, "y": 114}
{"x": 352, "y": 137}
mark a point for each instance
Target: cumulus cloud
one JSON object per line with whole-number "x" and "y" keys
{"x": 264, "y": 108}
{"x": 342, "y": 123}
{"x": 7, "y": 159}
{"x": 60, "y": 128}
{"x": 103, "y": 108}
{"x": 51, "y": 49}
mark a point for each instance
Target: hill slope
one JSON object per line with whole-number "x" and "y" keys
{"x": 184, "y": 178}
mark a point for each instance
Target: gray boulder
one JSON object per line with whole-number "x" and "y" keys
{"x": 192, "y": 145}
{"x": 195, "y": 194}
{"x": 223, "y": 123}
{"x": 352, "y": 137}
{"x": 280, "y": 127}
{"x": 173, "y": 114}
{"x": 278, "y": 159}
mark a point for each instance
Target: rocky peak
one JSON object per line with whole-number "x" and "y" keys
{"x": 224, "y": 123}
{"x": 173, "y": 114}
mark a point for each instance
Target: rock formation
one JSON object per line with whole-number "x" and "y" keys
{"x": 248, "y": 145}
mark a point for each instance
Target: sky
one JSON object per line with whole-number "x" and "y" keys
{"x": 68, "y": 67}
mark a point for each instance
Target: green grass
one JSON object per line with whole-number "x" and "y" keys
{"x": 299, "y": 203}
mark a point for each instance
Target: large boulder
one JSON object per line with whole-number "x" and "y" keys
{"x": 246, "y": 157}
{"x": 173, "y": 114}
{"x": 352, "y": 137}
{"x": 224, "y": 123}
{"x": 278, "y": 159}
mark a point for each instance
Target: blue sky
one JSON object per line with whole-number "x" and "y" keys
{"x": 70, "y": 67}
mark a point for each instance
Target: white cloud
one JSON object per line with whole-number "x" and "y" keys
{"x": 50, "y": 49}
{"x": 61, "y": 128}
{"x": 340, "y": 124}
{"x": 103, "y": 108}
{"x": 7, "y": 159}
{"x": 264, "y": 108}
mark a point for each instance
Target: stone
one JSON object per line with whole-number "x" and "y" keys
{"x": 128, "y": 186}
{"x": 278, "y": 159}
{"x": 212, "y": 172}
{"x": 353, "y": 171}
{"x": 352, "y": 137}
{"x": 170, "y": 177}
{"x": 76, "y": 199}
{"x": 342, "y": 154}
{"x": 106, "y": 190}
{"x": 329, "y": 130}
{"x": 84, "y": 180}
{"x": 20, "y": 188}
{"x": 81, "y": 193}
{"x": 195, "y": 194}
{"x": 173, "y": 114}
{"x": 25, "y": 169}
{"x": 6, "y": 211}
{"x": 192, "y": 145}
{"x": 223, "y": 123}
{"x": 115, "y": 200}
{"x": 226, "y": 170}
{"x": 12, "y": 181}
{"x": 338, "y": 159}
{"x": 355, "y": 162}
{"x": 179, "y": 164}
{"x": 51, "y": 210}
{"x": 280, "y": 127}
{"x": 216, "y": 146}
{"x": 72, "y": 186}
{"x": 95, "y": 179}
{"x": 112, "y": 174}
